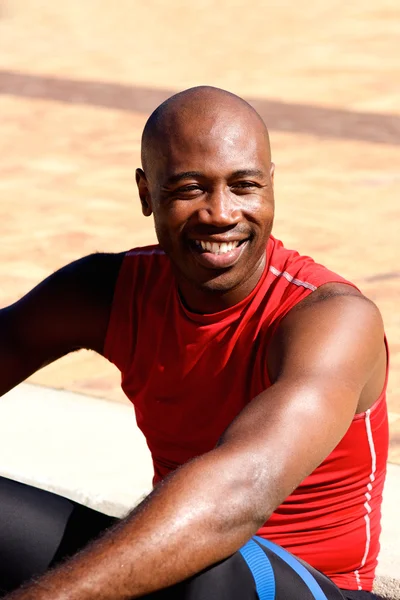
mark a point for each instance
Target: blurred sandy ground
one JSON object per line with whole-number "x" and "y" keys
{"x": 78, "y": 80}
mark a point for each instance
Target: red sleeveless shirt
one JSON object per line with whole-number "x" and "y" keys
{"x": 189, "y": 375}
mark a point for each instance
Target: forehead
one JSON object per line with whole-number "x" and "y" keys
{"x": 214, "y": 146}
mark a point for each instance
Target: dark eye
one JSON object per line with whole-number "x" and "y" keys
{"x": 244, "y": 185}
{"x": 189, "y": 188}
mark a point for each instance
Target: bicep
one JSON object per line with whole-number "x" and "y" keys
{"x": 67, "y": 311}
{"x": 326, "y": 354}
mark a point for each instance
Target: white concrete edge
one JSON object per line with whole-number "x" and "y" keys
{"x": 90, "y": 450}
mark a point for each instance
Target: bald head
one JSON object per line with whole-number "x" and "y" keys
{"x": 207, "y": 177}
{"x": 195, "y": 113}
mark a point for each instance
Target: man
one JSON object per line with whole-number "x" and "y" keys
{"x": 258, "y": 378}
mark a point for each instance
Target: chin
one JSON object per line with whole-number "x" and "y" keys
{"x": 220, "y": 284}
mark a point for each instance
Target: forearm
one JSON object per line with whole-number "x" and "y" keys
{"x": 199, "y": 516}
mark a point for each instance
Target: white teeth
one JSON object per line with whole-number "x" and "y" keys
{"x": 216, "y": 248}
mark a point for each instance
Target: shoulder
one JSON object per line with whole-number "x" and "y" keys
{"x": 335, "y": 329}
{"x": 144, "y": 269}
{"x": 87, "y": 281}
{"x": 334, "y": 303}
{"x": 92, "y": 274}
{"x": 146, "y": 259}
{"x": 333, "y": 289}
{"x": 299, "y": 270}
{"x": 293, "y": 278}
{"x": 339, "y": 306}
{"x": 69, "y": 309}
{"x": 88, "y": 286}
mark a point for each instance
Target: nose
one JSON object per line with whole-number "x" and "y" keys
{"x": 220, "y": 209}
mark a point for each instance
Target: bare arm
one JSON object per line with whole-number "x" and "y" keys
{"x": 67, "y": 311}
{"x": 211, "y": 506}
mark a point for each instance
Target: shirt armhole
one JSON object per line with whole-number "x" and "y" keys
{"x": 300, "y": 290}
{"x": 118, "y": 340}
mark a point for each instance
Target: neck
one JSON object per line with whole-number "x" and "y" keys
{"x": 207, "y": 301}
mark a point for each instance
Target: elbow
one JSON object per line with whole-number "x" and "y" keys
{"x": 258, "y": 498}
{"x": 246, "y": 498}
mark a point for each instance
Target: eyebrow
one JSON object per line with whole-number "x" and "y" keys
{"x": 248, "y": 173}
{"x": 185, "y": 175}
{"x": 198, "y": 175}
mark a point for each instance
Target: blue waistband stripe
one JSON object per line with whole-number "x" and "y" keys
{"x": 296, "y": 565}
{"x": 261, "y": 569}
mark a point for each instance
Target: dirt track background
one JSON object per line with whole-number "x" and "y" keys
{"x": 79, "y": 79}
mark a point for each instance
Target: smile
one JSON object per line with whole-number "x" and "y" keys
{"x": 217, "y": 248}
{"x": 218, "y": 255}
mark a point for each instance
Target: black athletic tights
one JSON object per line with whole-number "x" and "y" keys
{"x": 38, "y": 529}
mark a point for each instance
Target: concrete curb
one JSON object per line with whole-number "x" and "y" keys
{"x": 387, "y": 588}
{"x": 90, "y": 450}
{"x": 84, "y": 448}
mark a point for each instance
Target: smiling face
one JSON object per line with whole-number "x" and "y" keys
{"x": 209, "y": 185}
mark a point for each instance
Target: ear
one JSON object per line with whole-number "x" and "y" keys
{"x": 144, "y": 193}
{"x": 272, "y": 173}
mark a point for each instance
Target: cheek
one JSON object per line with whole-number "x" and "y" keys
{"x": 267, "y": 210}
{"x": 260, "y": 204}
{"x": 172, "y": 220}
{"x": 167, "y": 227}
{"x": 262, "y": 219}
